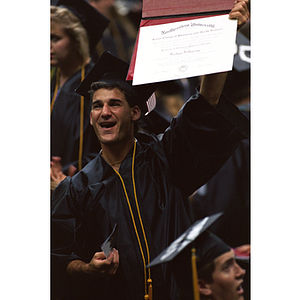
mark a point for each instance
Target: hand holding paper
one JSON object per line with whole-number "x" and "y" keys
{"x": 102, "y": 264}
{"x": 99, "y": 266}
{"x": 240, "y": 12}
{"x": 108, "y": 244}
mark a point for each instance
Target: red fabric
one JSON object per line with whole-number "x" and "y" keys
{"x": 152, "y": 8}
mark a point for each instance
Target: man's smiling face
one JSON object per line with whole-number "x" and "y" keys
{"x": 112, "y": 117}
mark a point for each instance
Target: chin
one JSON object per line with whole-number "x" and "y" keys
{"x": 108, "y": 141}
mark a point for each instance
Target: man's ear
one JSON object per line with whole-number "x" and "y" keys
{"x": 91, "y": 119}
{"x": 135, "y": 113}
{"x": 204, "y": 287}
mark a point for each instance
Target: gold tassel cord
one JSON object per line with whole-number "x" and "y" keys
{"x": 55, "y": 90}
{"x": 194, "y": 274}
{"x": 81, "y": 123}
{"x": 148, "y": 283}
{"x": 140, "y": 218}
{"x": 81, "y": 113}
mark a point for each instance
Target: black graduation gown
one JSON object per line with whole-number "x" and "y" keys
{"x": 65, "y": 124}
{"x": 229, "y": 191}
{"x": 167, "y": 169}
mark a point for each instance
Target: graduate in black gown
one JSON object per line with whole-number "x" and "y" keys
{"x": 76, "y": 28}
{"x": 141, "y": 185}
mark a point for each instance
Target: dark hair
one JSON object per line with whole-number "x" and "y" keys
{"x": 205, "y": 272}
{"x": 123, "y": 87}
{"x": 129, "y": 94}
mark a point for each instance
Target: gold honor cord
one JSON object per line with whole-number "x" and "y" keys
{"x": 81, "y": 113}
{"x": 148, "y": 283}
{"x": 55, "y": 91}
{"x": 81, "y": 123}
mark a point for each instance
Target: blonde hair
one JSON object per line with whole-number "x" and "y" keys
{"x": 73, "y": 28}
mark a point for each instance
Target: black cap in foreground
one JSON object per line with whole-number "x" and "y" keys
{"x": 111, "y": 69}
{"x": 92, "y": 20}
{"x": 196, "y": 247}
{"x": 185, "y": 240}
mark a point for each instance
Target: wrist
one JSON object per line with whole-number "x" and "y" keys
{"x": 78, "y": 267}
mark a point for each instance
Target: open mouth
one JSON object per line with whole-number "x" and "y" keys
{"x": 107, "y": 124}
{"x": 240, "y": 289}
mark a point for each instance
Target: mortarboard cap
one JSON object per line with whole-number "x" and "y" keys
{"x": 188, "y": 237}
{"x": 92, "y": 20}
{"x": 111, "y": 69}
{"x": 183, "y": 263}
{"x": 208, "y": 248}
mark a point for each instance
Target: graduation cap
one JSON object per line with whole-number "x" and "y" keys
{"x": 196, "y": 247}
{"x": 111, "y": 69}
{"x": 92, "y": 20}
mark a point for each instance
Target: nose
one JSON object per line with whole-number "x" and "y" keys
{"x": 240, "y": 272}
{"x": 106, "y": 112}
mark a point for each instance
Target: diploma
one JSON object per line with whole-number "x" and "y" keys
{"x": 108, "y": 244}
{"x": 185, "y": 49}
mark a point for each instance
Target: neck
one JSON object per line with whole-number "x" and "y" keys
{"x": 115, "y": 154}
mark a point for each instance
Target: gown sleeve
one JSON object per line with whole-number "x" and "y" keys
{"x": 64, "y": 223}
{"x": 200, "y": 140}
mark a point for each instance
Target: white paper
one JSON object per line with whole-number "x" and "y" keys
{"x": 185, "y": 49}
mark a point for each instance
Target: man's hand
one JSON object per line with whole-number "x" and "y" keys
{"x": 99, "y": 266}
{"x": 243, "y": 250}
{"x": 105, "y": 266}
{"x": 56, "y": 174}
{"x": 240, "y": 12}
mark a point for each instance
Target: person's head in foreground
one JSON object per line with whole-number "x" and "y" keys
{"x": 204, "y": 267}
{"x": 219, "y": 275}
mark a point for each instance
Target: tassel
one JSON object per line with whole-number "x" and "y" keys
{"x": 149, "y": 281}
{"x": 194, "y": 273}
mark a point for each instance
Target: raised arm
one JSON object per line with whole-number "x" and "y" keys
{"x": 212, "y": 84}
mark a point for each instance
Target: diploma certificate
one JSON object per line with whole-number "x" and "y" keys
{"x": 185, "y": 49}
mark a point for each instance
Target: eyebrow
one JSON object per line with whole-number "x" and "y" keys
{"x": 110, "y": 100}
{"x": 228, "y": 261}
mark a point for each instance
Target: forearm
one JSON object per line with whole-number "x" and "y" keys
{"x": 212, "y": 86}
{"x": 98, "y": 266}
{"x": 77, "y": 268}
